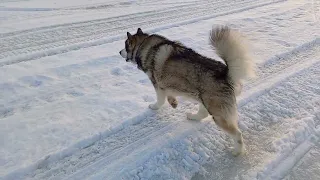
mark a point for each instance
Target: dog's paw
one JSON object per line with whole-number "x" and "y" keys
{"x": 194, "y": 117}
{"x": 238, "y": 151}
{"x": 154, "y": 106}
{"x": 173, "y": 101}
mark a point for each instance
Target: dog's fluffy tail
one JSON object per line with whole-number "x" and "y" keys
{"x": 230, "y": 46}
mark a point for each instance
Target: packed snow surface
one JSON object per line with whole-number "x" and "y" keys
{"x": 72, "y": 108}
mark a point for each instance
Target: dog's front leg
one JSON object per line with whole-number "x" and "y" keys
{"x": 161, "y": 97}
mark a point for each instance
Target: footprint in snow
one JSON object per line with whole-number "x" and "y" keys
{"x": 147, "y": 98}
{"x": 117, "y": 71}
{"x": 284, "y": 43}
{"x": 5, "y": 112}
{"x": 129, "y": 67}
{"x": 35, "y": 81}
{"x": 144, "y": 81}
{"x": 119, "y": 84}
{"x": 75, "y": 93}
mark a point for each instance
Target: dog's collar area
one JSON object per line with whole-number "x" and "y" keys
{"x": 137, "y": 57}
{"x": 139, "y": 64}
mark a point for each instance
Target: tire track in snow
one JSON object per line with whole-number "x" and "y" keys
{"x": 101, "y": 172}
{"x": 84, "y": 24}
{"x": 69, "y": 165}
{"x": 284, "y": 165}
{"x": 263, "y": 121}
{"x": 270, "y": 113}
{"x": 90, "y": 27}
{"x": 307, "y": 51}
{"x": 272, "y": 71}
{"x": 283, "y": 61}
{"x": 274, "y": 65}
{"x": 73, "y": 38}
{"x": 124, "y": 138}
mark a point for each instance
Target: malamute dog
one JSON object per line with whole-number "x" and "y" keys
{"x": 176, "y": 70}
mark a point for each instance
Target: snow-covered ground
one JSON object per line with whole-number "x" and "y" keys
{"x": 72, "y": 108}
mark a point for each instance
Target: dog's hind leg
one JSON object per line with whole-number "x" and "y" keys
{"x": 225, "y": 116}
{"x": 161, "y": 97}
{"x": 234, "y": 132}
{"x": 202, "y": 113}
{"x": 172, "y": 101}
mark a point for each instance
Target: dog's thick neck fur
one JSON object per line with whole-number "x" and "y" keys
{"x": 136, "y": 53}
{"x": 150, "y": 46}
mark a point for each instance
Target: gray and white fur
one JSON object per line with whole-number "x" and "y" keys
{"x": 176, "y": 70}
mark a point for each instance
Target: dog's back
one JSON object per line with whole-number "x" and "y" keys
{"x": 183, "y": 71}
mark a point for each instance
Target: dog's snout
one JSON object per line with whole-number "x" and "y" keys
{"x": 123, "y": 53}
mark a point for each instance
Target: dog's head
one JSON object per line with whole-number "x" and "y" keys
{"x": 131, "y": 44}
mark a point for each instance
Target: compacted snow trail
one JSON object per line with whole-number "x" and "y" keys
{"x": 279, "y": 112}
{"x": 118, "y": 150}
{"x": 79, "y": 111}
{"x": 39, "y": 42}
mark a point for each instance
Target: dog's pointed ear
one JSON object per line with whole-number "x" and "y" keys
{"x": 139, "y": 31}
{"x": 129, "y": 35}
